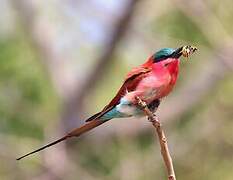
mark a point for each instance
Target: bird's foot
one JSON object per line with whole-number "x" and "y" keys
{"x": 141, "y": 103}
{"x": 154, "y": 120}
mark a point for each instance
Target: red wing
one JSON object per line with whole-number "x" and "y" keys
{"x": 130, "y": 83}
{"x": 137, "y": 71}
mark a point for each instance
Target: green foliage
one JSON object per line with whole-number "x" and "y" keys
{"x": 200, "y": 140}
{"x": 178, "y": 26}
{"x": 24, "y": 89}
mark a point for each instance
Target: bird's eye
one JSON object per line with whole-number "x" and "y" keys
{"x": 166, "y": 64}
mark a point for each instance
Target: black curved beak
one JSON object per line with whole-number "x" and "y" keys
{"x": 177, "y": 53}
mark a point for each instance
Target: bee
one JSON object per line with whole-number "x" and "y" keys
{"x": 188, "y": 50}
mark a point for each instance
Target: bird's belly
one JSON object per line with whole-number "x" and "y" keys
{"x": 128, "y": 105}
{"x": 126, "y": 108}
{"x": 164, "y": 91}
{"x": 151, "y": 91}
{"x": 148, "y": 93}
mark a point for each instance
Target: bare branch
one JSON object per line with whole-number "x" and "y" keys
{"x": 162, "y": 139}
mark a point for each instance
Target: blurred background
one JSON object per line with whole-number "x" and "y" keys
{"x": 61, "y": 61}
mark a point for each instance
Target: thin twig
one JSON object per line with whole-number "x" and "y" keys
{"x": 162, "y": 139}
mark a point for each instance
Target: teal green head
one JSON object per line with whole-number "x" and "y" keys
{"x": 165, "y": 53}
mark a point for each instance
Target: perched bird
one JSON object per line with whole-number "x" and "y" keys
{"x": 150, "y": 82}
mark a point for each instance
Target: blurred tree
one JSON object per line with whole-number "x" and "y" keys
{"x": 47, "y": 48}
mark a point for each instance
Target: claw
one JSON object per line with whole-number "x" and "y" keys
{"x": 141, "y": 103}
{"x": 155, "y": 119}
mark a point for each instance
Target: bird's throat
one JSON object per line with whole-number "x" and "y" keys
{"x": 173, "y": 69}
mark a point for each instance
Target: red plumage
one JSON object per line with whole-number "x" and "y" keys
{"x": 150, "y": 81}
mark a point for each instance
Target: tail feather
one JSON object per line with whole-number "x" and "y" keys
{"x": 74, "y": 133}
{"x": 95, "y": 116}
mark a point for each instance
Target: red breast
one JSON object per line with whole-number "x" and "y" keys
{"x": 167, "y": 73}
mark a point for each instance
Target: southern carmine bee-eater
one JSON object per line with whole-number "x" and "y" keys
{"x": 150, "y": 82}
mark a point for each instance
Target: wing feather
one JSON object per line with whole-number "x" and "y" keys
{"x": 130, "y": 83}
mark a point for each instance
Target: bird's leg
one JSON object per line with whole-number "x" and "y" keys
{"x": 153, "y": 106}
{"x": 141, "y": 103}
{"x": 148, "y": 110}
{"x": 154, "y": 119}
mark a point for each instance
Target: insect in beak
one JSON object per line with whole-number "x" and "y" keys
{"x": 188, "y": 50}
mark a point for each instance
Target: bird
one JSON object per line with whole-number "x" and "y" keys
{"x": 150, "y": 82}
